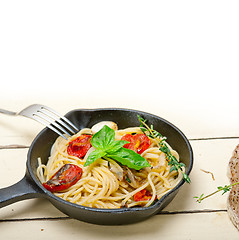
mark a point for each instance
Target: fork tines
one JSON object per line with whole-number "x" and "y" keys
{"x": 54, "y": 121}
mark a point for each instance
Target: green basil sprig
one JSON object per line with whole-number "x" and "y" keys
{"x": 106, "y": 146}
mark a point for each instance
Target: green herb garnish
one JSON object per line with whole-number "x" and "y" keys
{"x": 225, "y": 189}
{"x": 172, "y": 161}
{"x": 106, "y": 146}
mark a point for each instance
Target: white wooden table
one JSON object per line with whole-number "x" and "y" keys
{"x": 176, "y": 60}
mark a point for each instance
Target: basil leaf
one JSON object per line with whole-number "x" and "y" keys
{"x": 93, "y": 156}
{"x": 129, "y": 158}
{"x": 115, "y": 146}
{"x": 103, "y": 138}
{"x": 106, "y": 145}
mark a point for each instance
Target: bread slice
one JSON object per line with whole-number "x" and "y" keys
{"x": 233, "y": 198}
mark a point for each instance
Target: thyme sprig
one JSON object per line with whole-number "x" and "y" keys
{"x": 161, "y": 142}
{"x": 225, "y": 189}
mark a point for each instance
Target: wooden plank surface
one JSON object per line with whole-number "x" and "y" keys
{"x": 209, "y": 225}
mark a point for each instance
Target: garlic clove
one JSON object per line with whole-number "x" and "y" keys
{"x": 100, "y": 125}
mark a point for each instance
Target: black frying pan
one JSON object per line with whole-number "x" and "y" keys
{"x": 30, "y": 186}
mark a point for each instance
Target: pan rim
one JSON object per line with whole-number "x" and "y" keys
{"x": 156, "y": 206}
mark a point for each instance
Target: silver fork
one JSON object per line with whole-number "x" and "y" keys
{"x": 47, "y": 117}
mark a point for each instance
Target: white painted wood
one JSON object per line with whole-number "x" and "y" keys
{"x": 183, "y": 226}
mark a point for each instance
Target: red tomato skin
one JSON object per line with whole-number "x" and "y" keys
{"x": 142, "y": 195}
{"x": 79, "y": 146}
{"x": 138, "y": 142}
{"x": 64, "y": 178}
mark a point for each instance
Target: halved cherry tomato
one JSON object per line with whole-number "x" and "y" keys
{"x": 67, "y": 176}
{"x": 138, "y": 142}
{"x": 80, "y": 146}
{"x": 142, "y": 195}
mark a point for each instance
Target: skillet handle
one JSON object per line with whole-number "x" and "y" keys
{"x": 24, "y": 189}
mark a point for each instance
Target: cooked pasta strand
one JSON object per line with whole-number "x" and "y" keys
{"x": 100, "y": 186}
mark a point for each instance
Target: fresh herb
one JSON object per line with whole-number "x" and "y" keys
{"x": 225, "y": 189}
{"x": 161, "y": 140}
{"x": 127, "y": 179}
{"x": 106, "y": 146}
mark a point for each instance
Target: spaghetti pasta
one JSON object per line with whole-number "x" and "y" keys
{"x": 108, "y": 184}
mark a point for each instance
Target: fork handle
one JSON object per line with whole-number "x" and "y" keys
{"x": 8, "y": 112}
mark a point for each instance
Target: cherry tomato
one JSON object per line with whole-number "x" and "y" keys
{"x": 142, "y": 195}
{"x": 67, "y": 176}
{"x": 80, "y": 146}
{"x": 138, "y": 142}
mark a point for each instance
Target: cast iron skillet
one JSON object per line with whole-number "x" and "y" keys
{"x": 30, "y": 186}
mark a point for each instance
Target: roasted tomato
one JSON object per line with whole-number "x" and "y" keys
{"x": 80, "y": 146}
{"x": 138, "y": 142}
{"x": 142, "y": 195}
{"x": 67, "y": 176}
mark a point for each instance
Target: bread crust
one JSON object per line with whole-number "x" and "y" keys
{"x": 233, "y": 198}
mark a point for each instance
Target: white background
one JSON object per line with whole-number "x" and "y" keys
{"x": 171, "y": 58}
